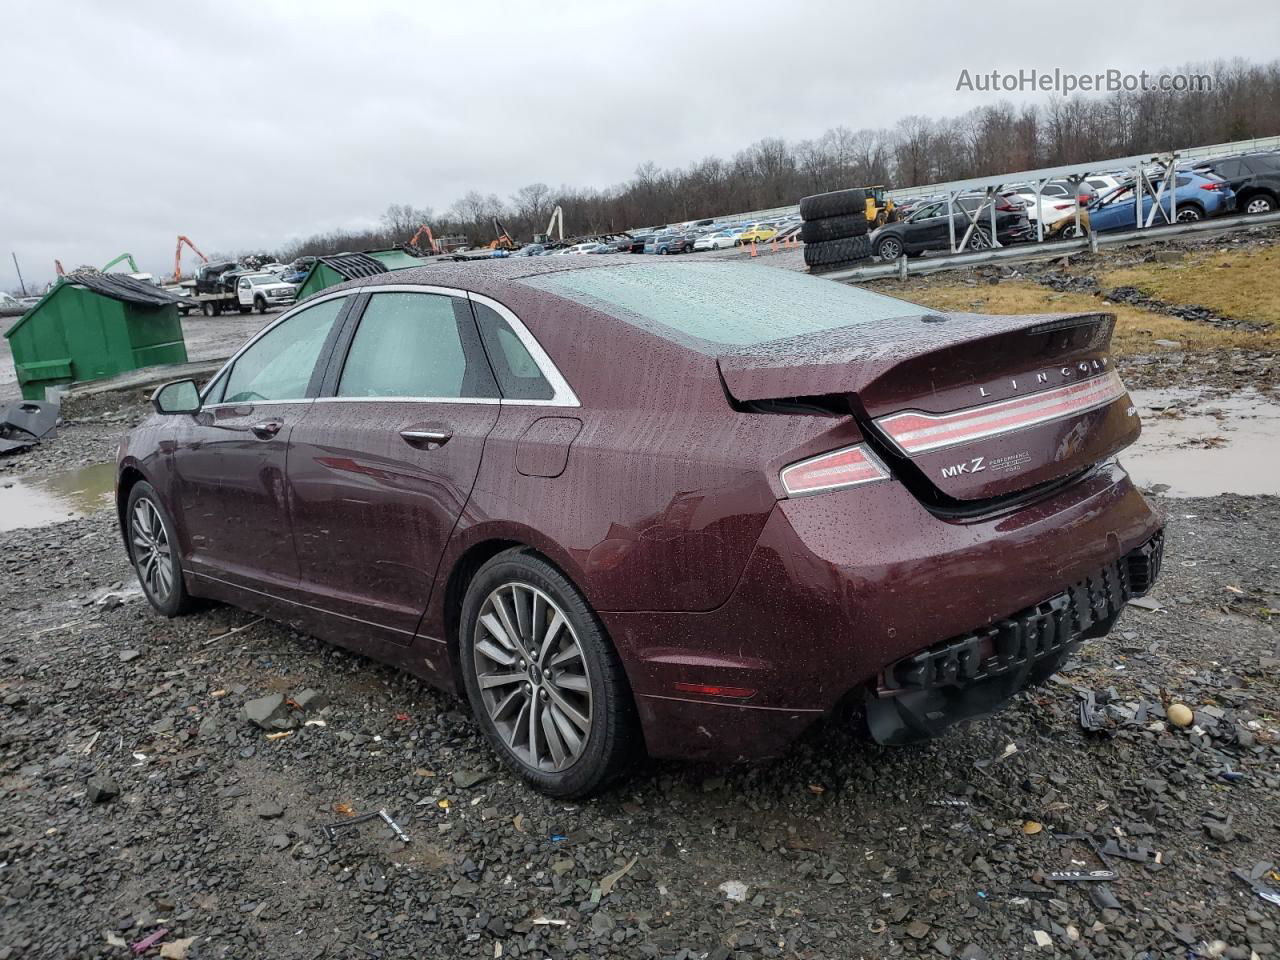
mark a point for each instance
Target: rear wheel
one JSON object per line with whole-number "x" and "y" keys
{"x": 153, "y": 548}
{"x": 1260, "y": 204}
{"x": 260, "y": 304}
{"x": 207, "y": 309}
{"x": 543, "y": 679}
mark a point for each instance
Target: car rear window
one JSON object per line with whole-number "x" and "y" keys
{"x": 723, "y": 303}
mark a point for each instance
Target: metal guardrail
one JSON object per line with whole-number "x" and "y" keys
{"x": 903, "y": 267}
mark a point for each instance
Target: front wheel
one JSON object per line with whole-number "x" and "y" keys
{"x": 543, "y": 679}
{"x": 1189, "y": 215}
{"x": 153, "y": 548}
{"x": 207, "y": 309}
{"x": 889, "y": 249}
{"x": 260, "y": 305}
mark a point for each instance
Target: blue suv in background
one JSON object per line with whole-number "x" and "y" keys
{"x": 1198, "y": 198}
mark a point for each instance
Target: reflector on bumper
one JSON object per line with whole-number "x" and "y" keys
{"x": 913, "y": 432}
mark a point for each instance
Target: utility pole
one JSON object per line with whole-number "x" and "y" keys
{"x": 19, "y": 269}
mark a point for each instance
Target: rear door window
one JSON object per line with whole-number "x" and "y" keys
{"x": 416, "y": 346}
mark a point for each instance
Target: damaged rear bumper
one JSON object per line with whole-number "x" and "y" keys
{"x": 976, "y": 673}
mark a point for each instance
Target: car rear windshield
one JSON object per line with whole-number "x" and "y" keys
{"x": 717, "y": 304}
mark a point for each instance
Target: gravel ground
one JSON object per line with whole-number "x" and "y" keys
{"x": 138, "y": 798}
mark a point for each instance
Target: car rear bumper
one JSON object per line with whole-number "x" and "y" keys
{"x": 843, "y": 586}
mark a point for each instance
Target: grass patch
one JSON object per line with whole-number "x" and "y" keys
{"x": 1239, "y": 284}
{"x": 1136, "y": 329}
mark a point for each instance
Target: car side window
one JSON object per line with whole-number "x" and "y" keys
{"x": 518, "y": 373}
{"x": 419, "y": 345}
{"x": 278, "y": 366}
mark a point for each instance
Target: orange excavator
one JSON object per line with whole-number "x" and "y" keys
{"x": 177, "y": 257}
{"x": 432, "y": 245}
{"x": 504, "y": 241}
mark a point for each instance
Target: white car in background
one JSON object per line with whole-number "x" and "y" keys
{"x": 258, "y": 291}
{"x": 719, "y": 240}
{"x": 1050, "y": 209}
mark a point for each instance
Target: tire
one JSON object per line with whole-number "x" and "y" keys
{"x": 838, "y": 203}
{"x": 207, "y": 308}
{"x": 889, "y": 248}
{"x": 837, "y": 251}
{"x": 979, "y": 240}
{"x": 1260, "y": 203}
{"x": 153, "y": 551}
{"x": 260, "y": 305}
{"x": 1190, "y": 214}
{"x": 609, "y": 739}
{"x": 834, "y": 228}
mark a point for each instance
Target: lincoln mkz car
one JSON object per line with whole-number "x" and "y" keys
{"x": 682, "y": 508}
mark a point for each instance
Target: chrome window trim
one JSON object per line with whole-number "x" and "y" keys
{"x": 488, "y": 400}
{"x": 309, "y": 302}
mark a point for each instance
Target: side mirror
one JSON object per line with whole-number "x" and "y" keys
{"x": 180, "y": 396}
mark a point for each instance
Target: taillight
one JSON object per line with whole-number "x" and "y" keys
{"x": 1210, "y": 186}
{"x": 1063, "y": 206}
{"x": 847, "y": 467}
{"x": 1006, "y": 206}
{"x": 1083, "y": 198}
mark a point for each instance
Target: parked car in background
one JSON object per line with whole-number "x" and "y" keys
{"x": 633, "y": 242}
{"x": 1106, "y": 182}
{"x": 396, "y": 470}
{"x": 531, "y": 250}
{"x": 928, "y": 227}
{"x": 1197, "y": 198}
{"x": 718, "y": 240}
{"x": 758, "y": 233}
{"x": 1254, "y": 179}
{"x": 666, "y": 243}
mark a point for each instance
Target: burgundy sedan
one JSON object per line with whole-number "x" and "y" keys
{"x": 687, "y": 508}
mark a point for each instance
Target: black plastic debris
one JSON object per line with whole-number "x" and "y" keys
{"x": 26, "y": 423}
{"x": 1106, "y": 872}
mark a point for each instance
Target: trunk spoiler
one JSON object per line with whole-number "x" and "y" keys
{"x": 855, "y": 359}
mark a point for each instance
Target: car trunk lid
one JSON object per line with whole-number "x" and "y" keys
{"x": 964, "y": 407}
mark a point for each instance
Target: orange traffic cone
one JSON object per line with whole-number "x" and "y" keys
{"x": 753, "y": 246}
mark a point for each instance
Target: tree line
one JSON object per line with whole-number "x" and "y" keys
{"x": 1244, "y": 102}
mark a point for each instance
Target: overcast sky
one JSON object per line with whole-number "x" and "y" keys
{"x": 245, "y": 124}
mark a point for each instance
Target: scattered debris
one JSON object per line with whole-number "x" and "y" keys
{"x": 330, "y": 830}
{"x": 1269, "y": 894}
{"x": 1180, "y": 715}
{"x": 100, "y": 789}
{"x": 610, "y": 880}
{"x": 26, "y": 423}
{"x": 233, "y": 632}
{"x": 176, "y": 949}
{"x": 734, "y": 890}
{"x": 149, "y": 941}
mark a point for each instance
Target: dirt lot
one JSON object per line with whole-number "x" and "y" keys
{"x": 137, "y": 798}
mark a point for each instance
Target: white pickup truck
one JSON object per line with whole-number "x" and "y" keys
{"x": 258, "y": 291}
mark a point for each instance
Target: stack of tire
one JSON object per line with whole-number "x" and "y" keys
{"x": 835, "y": 229}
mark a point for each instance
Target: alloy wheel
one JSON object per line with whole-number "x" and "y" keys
{"x": 890, "y": 250}
{"x": 979, "y": 241}
{"x": 533, "y": 677}
{"x": 1259, "y": 205}
{"x": 151, "y": 550}
{"x": 1189, "y": 215}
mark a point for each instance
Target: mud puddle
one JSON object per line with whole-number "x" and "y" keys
{"x": 1195, "y": 443}
{"x": 37, "y": 501}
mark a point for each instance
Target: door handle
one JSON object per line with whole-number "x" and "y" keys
{"x": 266, "y": 429}
{"x": 426, "y": 438}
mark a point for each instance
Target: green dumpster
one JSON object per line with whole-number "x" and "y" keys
{"x": 91, "y": 326}
{"x": 341, "y": 267}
